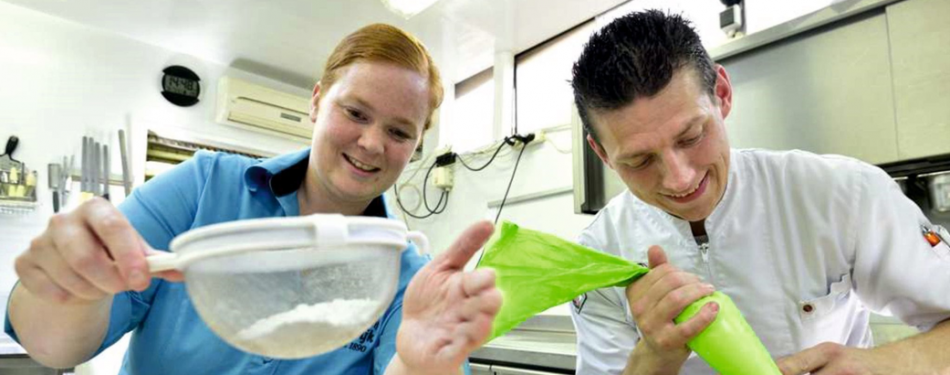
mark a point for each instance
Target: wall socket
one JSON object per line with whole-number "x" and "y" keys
{"x": 539, "y": 137}
{"x": 443, "y": 177}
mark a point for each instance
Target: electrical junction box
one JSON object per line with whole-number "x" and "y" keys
{"x": 730, "y": 20}
{"x": 443, "y": 177}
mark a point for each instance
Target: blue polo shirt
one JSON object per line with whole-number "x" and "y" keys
{"x": 168, "y": 336}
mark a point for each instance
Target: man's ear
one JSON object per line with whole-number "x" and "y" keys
{"x": 723, "y": 91}
{"x": 599, "y": 151}
{"x": 314, "y": 100}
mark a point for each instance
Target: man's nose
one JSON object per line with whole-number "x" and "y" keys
{"x": 679, "y": 174}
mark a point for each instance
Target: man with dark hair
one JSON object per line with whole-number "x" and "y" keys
{"x": 806, "y": 245}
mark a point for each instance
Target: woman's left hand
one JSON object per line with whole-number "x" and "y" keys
{"x": 447, "y": 313}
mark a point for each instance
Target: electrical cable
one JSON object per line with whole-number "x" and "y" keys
{"x": 439, "y": 206}
{"x": 411, "y": 186}
{"x": 425, "y": 200}
{"x": 423, "y": 162}
{"x": 505, "y": 198}
{"x": 497, "y": 150}
{"x": 558, "y": 149}
{"x": 515, "y": 170}
{"x": 399, "y": 197}
{"x": 406, "y": 212}
{"x": 442, "y": 198}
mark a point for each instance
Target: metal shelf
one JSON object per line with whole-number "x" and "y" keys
{"x": 17, "y": 207}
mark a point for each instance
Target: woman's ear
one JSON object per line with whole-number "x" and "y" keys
{"x": 314, "y": 100}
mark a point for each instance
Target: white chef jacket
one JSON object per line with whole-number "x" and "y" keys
{"x": 806, "y": 245}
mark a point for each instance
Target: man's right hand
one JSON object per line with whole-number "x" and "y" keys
{"x": 85, "y": 256}
{"x": 657, "y": 298}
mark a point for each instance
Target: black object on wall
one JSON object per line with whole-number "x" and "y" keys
{"x": 181, "y": 86}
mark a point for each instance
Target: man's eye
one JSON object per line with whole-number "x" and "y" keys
{"x": 642, "y": 163}
{"x": 692, "y": 141}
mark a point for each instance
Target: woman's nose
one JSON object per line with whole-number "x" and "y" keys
{"x": 372, "y": 140}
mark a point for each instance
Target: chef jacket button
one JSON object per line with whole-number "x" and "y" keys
{"x": 808, "y": 307}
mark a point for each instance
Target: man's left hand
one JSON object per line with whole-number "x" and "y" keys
{"x": 448, "y": 313}
{"x": 829, "y": 359}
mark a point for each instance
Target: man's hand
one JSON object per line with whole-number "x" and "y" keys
{"x": 447, "y": 313}
{"x": 831, "y": 359}
{"x": 655, "y": 300}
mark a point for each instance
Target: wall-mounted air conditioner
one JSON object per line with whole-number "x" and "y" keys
{"x": 254, "y": 107}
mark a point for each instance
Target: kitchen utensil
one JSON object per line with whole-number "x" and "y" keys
{"x": 7, "y": 162}
{"x": 105, "y": 171}
{"x": 95, "y": 166}
{"x": 536, "y": 271}
{"x": 290, "y": 287}
{"x": 4, "y": 180}
{"x": 55, "y": 171}
{"x": 29, "y": 187}
{"x": 940, "y": 192}
{"x": 85, "y": 175}
{"x": 728, "y": 344}
{"x": 66, "y": 180}
{"x": 123, "y": 153}
{"x": 14, "y": 176}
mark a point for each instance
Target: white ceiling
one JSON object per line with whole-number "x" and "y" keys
{"x": 289, "y": 40}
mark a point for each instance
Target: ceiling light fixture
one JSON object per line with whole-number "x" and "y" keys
{"x": 408, "y": 8}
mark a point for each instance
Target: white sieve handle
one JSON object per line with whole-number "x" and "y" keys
{"x": 162, "y": 262}
{"x": 422, "y": 242}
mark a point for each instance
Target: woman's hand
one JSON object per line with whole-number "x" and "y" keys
{"x": 85, "y": 256}
{"x": 448, "y": 313}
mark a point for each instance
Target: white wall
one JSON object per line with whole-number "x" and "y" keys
{"x": 61, "y": 81}
{"x": 544, "y": 169}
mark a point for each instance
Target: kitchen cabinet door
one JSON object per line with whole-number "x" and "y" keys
{"x": 503, "y": 370}
{"x": 919, "y": 32}
{"x": 826, "y": 91}
{"x": 480, "y": 369}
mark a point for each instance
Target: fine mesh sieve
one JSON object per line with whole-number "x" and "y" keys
{"x": 291, "y": 287}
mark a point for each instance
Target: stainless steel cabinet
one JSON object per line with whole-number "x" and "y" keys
{"x": 480, "y": 369}
{"x": 503, "y": 370}
{"x": 21, "y": 364}
{"x": 919, "y": 35}
{"x": 826, "y": 91}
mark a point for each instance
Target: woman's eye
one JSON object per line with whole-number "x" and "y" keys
{"x": 399, "y": 134}
{"x": 355, "y": 114}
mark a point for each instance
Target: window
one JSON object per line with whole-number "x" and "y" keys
{"x": 542, "y": 80}
{"x": 473, "y": 113}
{"x": 164, "y": 153}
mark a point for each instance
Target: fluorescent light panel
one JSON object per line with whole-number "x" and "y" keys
{"x": 408, "y": 8}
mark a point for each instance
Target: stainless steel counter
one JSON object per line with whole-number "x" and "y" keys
{"x": 9, "y": 347}
{"x": 552, "y": 350}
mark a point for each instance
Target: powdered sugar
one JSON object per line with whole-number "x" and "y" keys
{"x": 326, "y": 325}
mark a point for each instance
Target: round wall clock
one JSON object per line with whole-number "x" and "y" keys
{"x": 181, "y": 86}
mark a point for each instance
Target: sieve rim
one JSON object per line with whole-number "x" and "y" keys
{"x": 359, "y": 231}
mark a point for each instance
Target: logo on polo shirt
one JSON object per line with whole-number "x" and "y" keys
{"x": 365, "y": 341}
